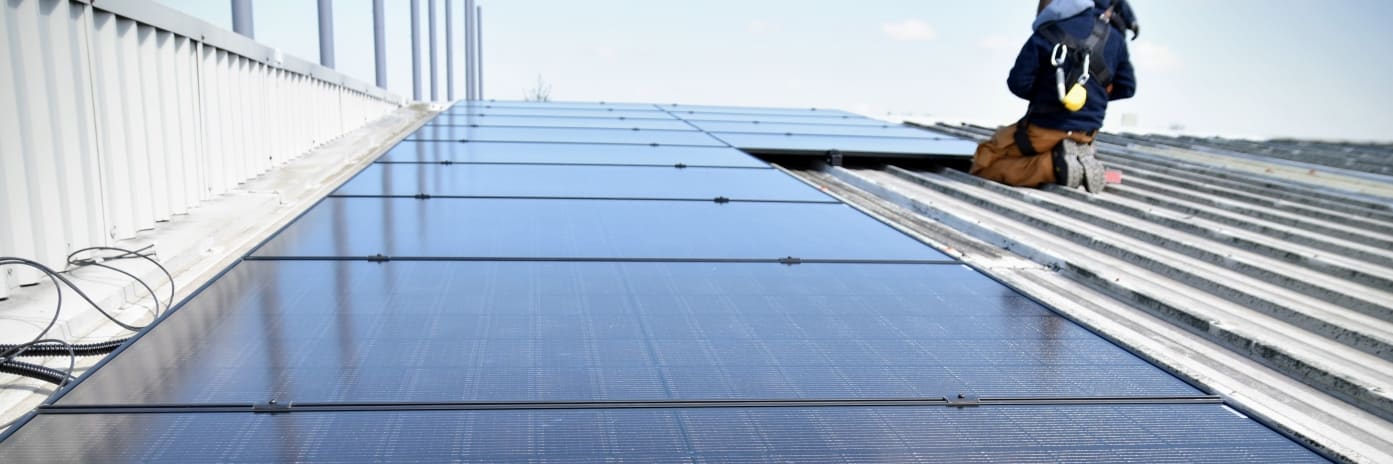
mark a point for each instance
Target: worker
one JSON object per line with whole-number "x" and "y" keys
{"x": 1074, "y": 63}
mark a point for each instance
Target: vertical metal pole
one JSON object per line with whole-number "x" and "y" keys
{"x": 469, "y": 49}
{"x": 379, "y": 43}
{"x": 479, "y": 52}
{"x": 242, "y": 18}
{"x": 326, "y": 33}
{"x": 449, "y": 50}
{"x": 416, "y": 50}
{"x": 430, "y": 16}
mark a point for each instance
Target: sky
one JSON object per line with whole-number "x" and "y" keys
{"x": 1239, "y": 68}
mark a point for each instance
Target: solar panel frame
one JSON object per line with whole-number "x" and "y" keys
{"x": 582, "y": 154}
{"x": 1138, "y": 433}
{"x": 472, "y": 180}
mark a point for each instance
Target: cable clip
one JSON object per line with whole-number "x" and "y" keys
{"x": 680, "y": 166}
{"x": 790, "y": 260}
{"x": 421, "y": 196}
{"x": 447, "y": 162}
{"x": 379, "y": 258}
{"x": 721, "y": 200}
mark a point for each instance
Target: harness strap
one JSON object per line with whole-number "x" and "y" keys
{"x": 1023, "y": 138}
{"x": 1094, "y": 46}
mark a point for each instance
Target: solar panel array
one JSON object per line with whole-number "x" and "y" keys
{"x": 564, "y": 287}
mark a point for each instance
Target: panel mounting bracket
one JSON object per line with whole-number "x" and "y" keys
{"x": 271, "y": 407}
{"x": 834, "y": 157}
{"x": 962, "y": 400}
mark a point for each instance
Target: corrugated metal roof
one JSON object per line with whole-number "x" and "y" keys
{"x": 1283, "y": 262}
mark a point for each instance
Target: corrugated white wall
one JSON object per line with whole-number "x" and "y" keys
{"x": 117, "y": 116}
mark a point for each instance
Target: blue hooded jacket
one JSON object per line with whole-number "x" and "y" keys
{"x": 1033, "y": 78}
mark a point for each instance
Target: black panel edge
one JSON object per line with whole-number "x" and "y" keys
{"x": 281, "y": 407}
{"x": 789, "y": 260}
{"x": 425, "y": 196}
{"x": 579, "y": 128}
{"x": 680, "y": 165}
{"x": 854, "y": 154}
{"x": 641, "y": 144}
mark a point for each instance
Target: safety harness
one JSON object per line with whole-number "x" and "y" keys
{"x": 1088, "y": 63}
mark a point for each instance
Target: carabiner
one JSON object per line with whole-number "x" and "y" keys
{"x": 1059, "y": 54}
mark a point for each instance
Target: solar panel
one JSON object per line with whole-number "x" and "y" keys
{"x": 559, "y": 112}
{"x": 798, "y": 112}
{"x": 523, "y": 153}
{"x": 1204, "y": 433}
{"x": 527, "y": 331}
{"x": 582, "y": 229}
{"x": 563, "y": 135}
{"x": 555, "y": 289}
{"x": 555, "y": 105}
{"x": 779, "y": 118}
{"x": 883, "y": 130}
{"x": 777, "y": 143}
{"x": 566, "y": 181}
{"x": 595, "y": 123}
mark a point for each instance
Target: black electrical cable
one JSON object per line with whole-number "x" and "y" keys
{"x": 55, "y": 275}
{"x": 34, "y": 371}
{"x": 125, "y": 254}
{"x": 41, "y": 347}
{"x": 58, "y": 305}
{"x": 9, "y": 365}
{"x": 79, "y": 349}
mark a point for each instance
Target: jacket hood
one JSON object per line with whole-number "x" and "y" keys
{"x": 1061, "y": 9}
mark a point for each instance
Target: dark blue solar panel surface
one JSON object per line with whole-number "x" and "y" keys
{"x": 884, "y": 130}
{"x": 580, "y": 228}
{"x": 560, "y": 112}
{"x": 799, "y": 112}
{"x": 1093, "y": 434}
{"x": 567, "y": 181}
{"x": 491, "y": 331}
{"x": 564, "y": 135}
{"x": 596, "y": 123}
{"x": 622, "y": 297}
{"x": 779, "y": 118}
{"x": 821, "y": 144}
{"x": 509, "y": 152}
{"x": 484, "y": 105}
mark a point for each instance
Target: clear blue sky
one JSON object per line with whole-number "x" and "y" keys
{"x": 1232, "y": 67}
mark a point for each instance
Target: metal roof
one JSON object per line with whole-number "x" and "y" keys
{"x": 1283, "y": 262}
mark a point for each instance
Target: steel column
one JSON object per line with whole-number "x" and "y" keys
{"x": 450, "y": 49}
{"x": 469, "y": 28}
{"x": 430, "y": 16}
{"x": 242, "y": 22}
{"x": 479, "y": 52}
{"x": 379, "y": 43}
{"x": 416, "y": 50}
{"x": 326, "y": 33}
